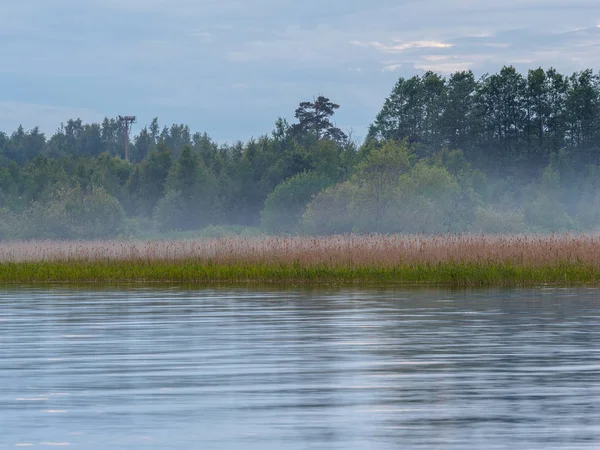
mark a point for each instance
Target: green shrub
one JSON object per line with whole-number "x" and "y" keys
{"x": 73, "y": 213}
{"x": 426, "y": 197}
{"x": 330, "y": 212}
{"x": 286, "y": 204}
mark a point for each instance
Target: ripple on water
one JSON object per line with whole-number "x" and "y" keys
{"x": 295, "y": 369}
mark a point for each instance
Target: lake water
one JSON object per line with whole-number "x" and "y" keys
{"x": 168, "y": 368}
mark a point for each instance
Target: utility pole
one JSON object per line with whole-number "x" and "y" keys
{"x": 127, "y": 121}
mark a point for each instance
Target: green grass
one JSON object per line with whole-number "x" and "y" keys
{"x": 448, "y": 273}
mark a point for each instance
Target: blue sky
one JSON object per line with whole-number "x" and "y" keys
{"x": 231, "y": 67}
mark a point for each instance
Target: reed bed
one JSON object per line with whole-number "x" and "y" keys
{"x": 371, "y": 259}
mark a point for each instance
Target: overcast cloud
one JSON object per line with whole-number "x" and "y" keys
{"x": 230, "y": 68}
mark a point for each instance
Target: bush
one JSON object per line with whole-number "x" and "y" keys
{"x": 74, "y": 213}
{"x": 330, "y": 212}
{"x": 286, "y": 204}
{"x": 426, "y": 199}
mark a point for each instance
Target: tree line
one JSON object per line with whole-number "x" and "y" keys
{"x": 506, "y": 122}
{"x": 503, "y": 153}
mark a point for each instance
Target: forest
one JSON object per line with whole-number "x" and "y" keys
{"x": 503, "y": 153}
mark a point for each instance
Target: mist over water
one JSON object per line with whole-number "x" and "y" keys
{"x": 271, "y": 369}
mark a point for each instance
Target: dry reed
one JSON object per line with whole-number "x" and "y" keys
{"x": 355, "y": 251}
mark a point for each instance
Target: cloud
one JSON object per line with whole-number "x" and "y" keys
{"x": 182, "y": 60}
{"x": 391, "y": 68}
{"x": 399, "y": 47}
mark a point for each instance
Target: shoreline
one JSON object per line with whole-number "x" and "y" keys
{"x": 353, "y": 260}
{"x": 451, "y": 274}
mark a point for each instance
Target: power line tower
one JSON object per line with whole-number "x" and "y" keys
{"x": 127, "y": 121}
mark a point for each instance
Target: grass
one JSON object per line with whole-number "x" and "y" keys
{"x": 465, "y": 260}
{"x": 452, "y": 274}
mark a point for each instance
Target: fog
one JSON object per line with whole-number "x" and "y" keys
{"x": 507, "y": 153}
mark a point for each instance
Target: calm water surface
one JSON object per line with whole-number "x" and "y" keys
{"x": 280, "y": 369}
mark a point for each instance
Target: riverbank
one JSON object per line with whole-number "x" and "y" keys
{"x": 447, "y": 274}
{"x": 463, "y": 260}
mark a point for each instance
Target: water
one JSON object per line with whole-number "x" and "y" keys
{"x": 280, "y": 369}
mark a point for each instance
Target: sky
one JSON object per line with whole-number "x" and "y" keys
{"x": 232, "y": 67}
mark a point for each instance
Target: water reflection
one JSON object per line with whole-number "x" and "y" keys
{"x": 294, "y": 369}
